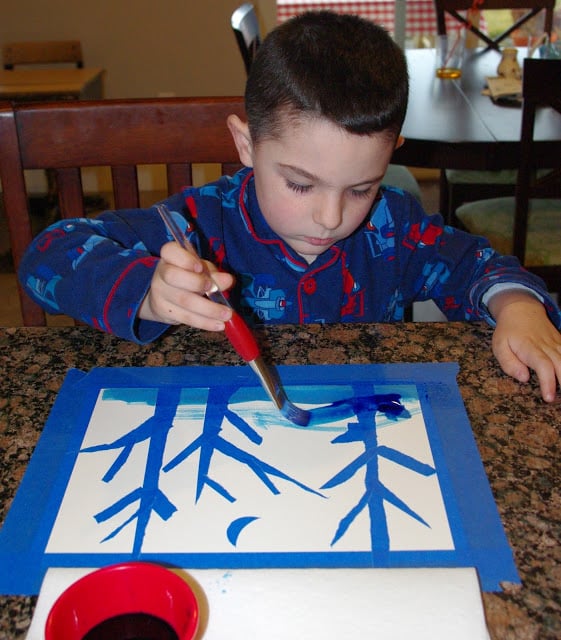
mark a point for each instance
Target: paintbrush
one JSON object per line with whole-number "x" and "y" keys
{"x": 239, "y": 335}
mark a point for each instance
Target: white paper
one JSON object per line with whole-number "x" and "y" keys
{"x": 313, "y": 604}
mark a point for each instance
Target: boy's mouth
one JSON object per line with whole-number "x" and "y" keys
{"x": 320, "y": 242}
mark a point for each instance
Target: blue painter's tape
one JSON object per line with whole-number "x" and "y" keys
{"x": 475, "y": 526}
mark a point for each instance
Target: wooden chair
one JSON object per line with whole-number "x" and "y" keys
{"x": 43, "y": 53}
{"x": 528, "y": 225}
{"x": 120, "y": 134}
{"x": 49, "y": 52}
{"x": 453, "y": 7}
{"x": 459, "y": 186}
{"x": 246, "y": 29}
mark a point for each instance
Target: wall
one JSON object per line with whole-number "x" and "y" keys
{"x": 148, "y": 48}
{"x": 185, "y": 47}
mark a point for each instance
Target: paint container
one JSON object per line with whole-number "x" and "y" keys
{"x": 125, "y": 601}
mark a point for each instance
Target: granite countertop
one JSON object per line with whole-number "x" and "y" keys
{"x": 518, "y": 435}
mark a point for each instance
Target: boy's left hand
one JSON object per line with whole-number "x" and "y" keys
{"x": 525, "y": 339}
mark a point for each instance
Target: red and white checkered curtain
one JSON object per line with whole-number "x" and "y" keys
{"x": 420, "y": 17}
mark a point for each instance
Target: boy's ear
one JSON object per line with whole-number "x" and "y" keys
{"x": 242, "y": 139}
{"x": 400, "y": 140}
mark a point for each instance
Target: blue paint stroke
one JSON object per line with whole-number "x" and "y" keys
{"x": 387, "y": 403}
{"x": 328, "y": 416}
{"x": 131, "y": 395}
{"x": 210, "y": 441}
{"x": 237, "y": 526}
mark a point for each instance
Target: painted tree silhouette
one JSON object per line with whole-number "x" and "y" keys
{"x": 361, "y": 427}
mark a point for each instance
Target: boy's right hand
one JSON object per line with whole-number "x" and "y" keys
{"x": 177, "y": 291}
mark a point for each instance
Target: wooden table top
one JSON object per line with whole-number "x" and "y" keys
{"x": 450, "y": 124}
{"x": 47, "y": 82}
{"x": 518, "y": 435}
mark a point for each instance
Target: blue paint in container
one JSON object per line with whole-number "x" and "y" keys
{"x": 132, "y": 626}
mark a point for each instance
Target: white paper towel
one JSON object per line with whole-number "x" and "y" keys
{"x": 313, "y": 604}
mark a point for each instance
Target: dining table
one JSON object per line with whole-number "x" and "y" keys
{"x": 454, "y": 124}
{"x": 51, "y": 83}
{"x": 516, "y": 432}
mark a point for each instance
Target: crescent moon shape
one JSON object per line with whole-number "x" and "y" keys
{"x": 237, "y": 526}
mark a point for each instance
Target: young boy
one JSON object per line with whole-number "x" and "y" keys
{"x": 305, "y": 233}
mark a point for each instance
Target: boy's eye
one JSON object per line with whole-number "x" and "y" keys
{"x": 362, "y": 193}
{"x": 305, "y": 188}
{"x": 299, "y": 188}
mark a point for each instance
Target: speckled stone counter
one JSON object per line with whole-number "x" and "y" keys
{"x": 517, "y": 433}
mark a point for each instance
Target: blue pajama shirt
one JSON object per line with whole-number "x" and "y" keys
{"x": 99, "y": 270}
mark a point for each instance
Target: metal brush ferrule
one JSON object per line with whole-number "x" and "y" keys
{"x": 265, "y": 375}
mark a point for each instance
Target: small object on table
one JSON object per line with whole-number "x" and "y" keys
{"x": 508, "y": 66}
{"x": 505, "y": 91}
{"x": 550, "y": 50}
{"x": 123, "y": 599}
{"x": 450, "y": 54}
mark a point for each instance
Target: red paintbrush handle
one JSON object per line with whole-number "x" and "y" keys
{"x": 242, "y": 339}
{"x": 237, "y": 331}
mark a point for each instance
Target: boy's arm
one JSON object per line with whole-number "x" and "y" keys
{"x": 99, "y": 270}
{"x": 470, "y": 281}
{"x": 525, "y": 339}
{"x": 455, "y": 269}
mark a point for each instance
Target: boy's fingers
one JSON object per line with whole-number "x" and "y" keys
{"x": 518, "y": 367}
{"x": 172, "y": 253}
{"x": 184, "y": 279}
{"x": 223, "y": 280}
{"x": 546, "y": 370}
{"x": 548, "y": 385}
{"x": 510, "y": 363}
{"x": 209, "y": 277}
{"x": 197, "y": 312}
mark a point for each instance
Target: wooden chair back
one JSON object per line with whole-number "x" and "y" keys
{"x": 49, "y": 52}
{"x": 541, "y": 87}
{"x": 121, "y": 134}
{"x": 453, "y": 7}
{"x": 246, "y": 29}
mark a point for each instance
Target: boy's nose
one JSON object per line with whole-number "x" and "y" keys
{"x": 330, "y": 213}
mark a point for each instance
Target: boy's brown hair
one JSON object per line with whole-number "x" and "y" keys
{"x": 321, "y": 64}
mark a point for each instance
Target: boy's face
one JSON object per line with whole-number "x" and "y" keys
{"x": 316, "y": 182}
